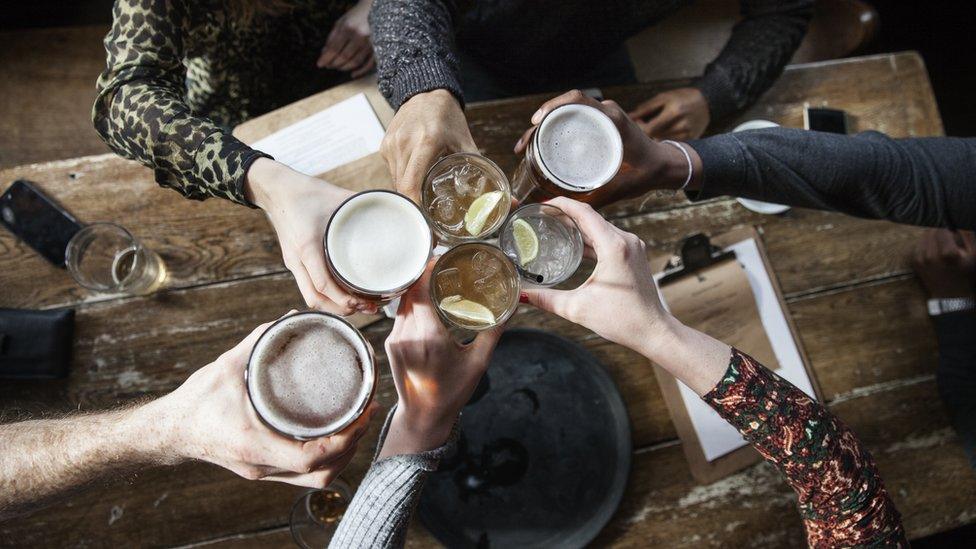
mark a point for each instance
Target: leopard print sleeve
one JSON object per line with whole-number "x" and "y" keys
{"x": 141, "y": 112}
{"x": 842, "y": 498}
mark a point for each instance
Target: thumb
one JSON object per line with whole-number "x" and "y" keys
{"x": 556, "y": 302}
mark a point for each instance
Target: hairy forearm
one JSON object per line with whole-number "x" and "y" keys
{"x": 42, "y": 459}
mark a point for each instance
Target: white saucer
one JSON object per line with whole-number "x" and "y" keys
{"x": 759, "y": 206}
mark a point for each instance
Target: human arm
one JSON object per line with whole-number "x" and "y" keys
{"x": 141, "y": 113}
{"x": 761, "y": 44}
{"x": 945, "y": 262}
{"x": 418, "y": 70}
{"x": 348, "y": 47}
{"x": 918, "y": 181}
{"x": 208, "y": 418}
{"x": 434, "y": 377}
{"x": 842, "y": 498}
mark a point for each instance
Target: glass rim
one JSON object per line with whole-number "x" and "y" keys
{"x": 69, "y": 251}
{"x": 474, "y": 157}
{"x": 551, "y": 175}
{"x": 377, "y": 293}
{"x": 498, "y": 321}
{"x": 360, "y": 407}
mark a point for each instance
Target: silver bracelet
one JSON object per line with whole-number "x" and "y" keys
{"x": 684, "y": 151}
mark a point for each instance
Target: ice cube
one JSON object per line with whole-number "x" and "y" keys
{"x": 494, "y": 292}
{"x": 446, "y": 211}
{"x": 484, "y": 264}
{"x": 469, "y": 182}
{"x": 443, "y": 185}
{"x": 448, "y": 282}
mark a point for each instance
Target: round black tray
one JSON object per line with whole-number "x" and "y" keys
{"x": 544, "y": 452}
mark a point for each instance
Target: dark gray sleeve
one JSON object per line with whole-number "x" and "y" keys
{"x": 413, "y": 41}
{"x": 928, "y": 181}
{"x": 956, "y": 374}
{"x": 761, "y": 44}
{"x": 380, "y": 512}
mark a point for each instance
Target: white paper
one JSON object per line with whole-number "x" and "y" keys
{"x": 716, "y": 436}
{"x": 340, "y": 134}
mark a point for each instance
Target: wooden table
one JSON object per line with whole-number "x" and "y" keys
{"x": 858, "y": 309}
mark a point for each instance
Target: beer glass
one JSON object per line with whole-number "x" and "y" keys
{"x": 574, "y": 152}
{"x": 377, "y": 244}
{"x": 474, "y": 286}
{"x": 310, "y": 375}
{"x": 316, "y": 514}
{"x": 106, "y": 258}
{"x": 544, "y": 243}
{"x": 466, "y": 197}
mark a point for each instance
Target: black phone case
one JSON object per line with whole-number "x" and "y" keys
{"x": 37, "y": 220}
{"x": 35, "y": 344}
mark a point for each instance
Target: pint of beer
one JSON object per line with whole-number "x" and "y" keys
{"x": 377, "y": 245}
{"x": 310, "y": 375}
{"x": 574, "y": 152}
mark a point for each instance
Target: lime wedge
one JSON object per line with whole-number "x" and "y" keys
{"x": 480, "y": 211}
{"x": 526, "y": 241}
{"x": 467, "y": 310}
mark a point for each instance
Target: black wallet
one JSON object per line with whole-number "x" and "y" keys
{"x": 35, "y": 344}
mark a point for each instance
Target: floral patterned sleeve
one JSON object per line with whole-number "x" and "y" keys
{"x": 141, "y": 112}
{"x": 842, "y": 498}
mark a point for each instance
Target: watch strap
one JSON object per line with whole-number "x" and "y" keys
{"x": 950, "y": 305}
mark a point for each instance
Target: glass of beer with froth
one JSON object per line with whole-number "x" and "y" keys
{"x": 574, "y": 152}
{"x": 310, "y": 375}
{"x": 377, "y": 244}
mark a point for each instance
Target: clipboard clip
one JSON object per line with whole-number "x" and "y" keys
{"x": 697, "y": 252}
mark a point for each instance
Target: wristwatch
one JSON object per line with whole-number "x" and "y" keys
{"x": 950, "y": 305}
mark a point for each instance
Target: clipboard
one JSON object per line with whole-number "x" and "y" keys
{"x": 369, "y": 172}
{"x": 702, "y": 257}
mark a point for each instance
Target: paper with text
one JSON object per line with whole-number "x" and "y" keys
{"x": 338, "y": 135}
{"x": 715, "y": 435}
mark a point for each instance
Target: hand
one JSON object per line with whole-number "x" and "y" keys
{"x": 434, "y": 375}
{"x": 348, "y": 47}
{"x": 299, "y": 208}
{"x": 210, "y": 418}
{"x": 945, "y": 262}
{"x": 646, "y": 163}
{"x": 677, "y": 114}
{"x": 619, "y": 301}
{"x": 427, "y": 126}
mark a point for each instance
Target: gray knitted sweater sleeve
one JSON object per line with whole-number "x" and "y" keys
{"x": 413, "y": 42}
{"x": 761, "y": 45}
{"x": 380, "y": 512}
{"x": 416, "y": 52}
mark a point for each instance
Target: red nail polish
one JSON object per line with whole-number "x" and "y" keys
{"x": 523, "y": 297}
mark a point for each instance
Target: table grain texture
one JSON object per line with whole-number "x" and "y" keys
{"x": 858, "y": 309}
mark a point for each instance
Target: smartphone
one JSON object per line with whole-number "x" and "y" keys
{"x": 37, "y": 220}
{"x": 825, "y": 120}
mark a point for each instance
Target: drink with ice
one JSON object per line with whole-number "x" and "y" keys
{"x": 466, "y": 197}
{"x": 474, "y": 286}
{"x": 545, "y": 244}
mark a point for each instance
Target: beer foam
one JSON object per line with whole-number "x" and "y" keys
{"x": 578, "y": 147}
{"x": 379, "y": 241}
{"x": 310, "y": 375}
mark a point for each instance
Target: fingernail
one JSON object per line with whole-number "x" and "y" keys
{"x": 523, "y": 297}
{"x": 518, "y": 144}
{"x": 537, "y": 116}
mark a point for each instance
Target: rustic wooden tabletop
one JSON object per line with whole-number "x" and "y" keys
{"x": 859, "y": 311}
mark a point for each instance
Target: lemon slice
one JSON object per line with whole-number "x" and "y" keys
{"x": 467, "y": 310}
{"x": 526, "y": 241}
{"x": 480, "y": 211}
